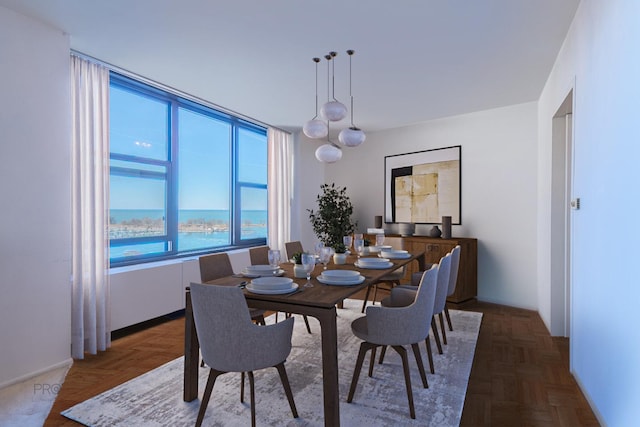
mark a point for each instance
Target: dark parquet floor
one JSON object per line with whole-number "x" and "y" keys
{"x": 520, "y": 374}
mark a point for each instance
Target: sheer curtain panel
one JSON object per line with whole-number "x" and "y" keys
{"x": 90, "y": 307}
{"x": 279, "y": 187}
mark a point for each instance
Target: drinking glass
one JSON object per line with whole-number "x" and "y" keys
{"x": 358, "y": 246}
{"x": 358, "y": 236}
{"x": 379, "y": 239}
{"x": 274, "y": 259}
{"x": 347, "y": 240}
{"x": 318, "y": 248}
{"x": 308, "y": 263}
{"x": 325, "y": 256}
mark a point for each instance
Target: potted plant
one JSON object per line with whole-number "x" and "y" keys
{"x": 332, "y": 220}
{"x": 340, "y": 255}
{"x": 298, "y": 270}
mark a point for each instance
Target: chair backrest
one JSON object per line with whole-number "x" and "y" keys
{"x": 259, "y": 255}
{"x": 293, "y": 248}
{"x": 453, "y": 275}
{"x": 215, "y": 266}
{"x": 405, "y": 325}
{"x": 442, "y": 286}
{"x": 229, "y": 341}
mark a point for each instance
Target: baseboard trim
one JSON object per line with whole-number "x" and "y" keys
{"x": 65, "y": 363}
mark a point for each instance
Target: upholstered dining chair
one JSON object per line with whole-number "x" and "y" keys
{"x": 397, "y": 327}
{"x": 218, "y": 265}
{"x": 453, "y": 279}
{"x": 259, "y": 255}
{"x": 228, "y": 341}
{"x": 392, "y": 278}
{"x": 293, "y": 248}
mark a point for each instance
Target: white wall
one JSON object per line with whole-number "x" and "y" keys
{"x": 600, "y": 55}
{"x": 498, "y": 190}
{"x": 35, "y": 227}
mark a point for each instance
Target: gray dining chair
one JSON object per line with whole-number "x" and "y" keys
{"x": 397, "y": 327}
{"x": 259, "y": 255}
{"x": 392, "y": 278}
{"x": 218, "y": 265}
{"x": 230, "y": 342}
{"x": 453, "y": 279}
{"x": 293, "y": 248}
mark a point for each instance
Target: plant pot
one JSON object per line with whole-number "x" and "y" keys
{"x": 339, "y": 259}
{"x": 298, "y": 271}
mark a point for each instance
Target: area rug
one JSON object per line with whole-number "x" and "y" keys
{"x": 155, "y": 398}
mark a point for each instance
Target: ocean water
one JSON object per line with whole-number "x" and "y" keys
{"x": 197, "y": 229}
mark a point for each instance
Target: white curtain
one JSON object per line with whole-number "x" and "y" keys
{"x": 90, "y": 306}
{"x": 280, "y": 187}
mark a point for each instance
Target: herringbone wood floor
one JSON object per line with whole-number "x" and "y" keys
{"x": 520, "y": 374}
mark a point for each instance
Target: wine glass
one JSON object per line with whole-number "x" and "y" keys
{"x": 347, "y": 240}
{"x": 379, "y": 239}
{"x": 274, "y": 260}
{"x": 358, "y": 236}
{"x": 358, "y": 246}
{"x": 308, "y": 263}
{"x": 325, "y": 256}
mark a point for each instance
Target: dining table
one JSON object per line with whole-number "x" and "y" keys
{"x": 319, "y": 301}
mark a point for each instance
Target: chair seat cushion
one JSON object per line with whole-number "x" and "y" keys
{"x": 359, "y": 328}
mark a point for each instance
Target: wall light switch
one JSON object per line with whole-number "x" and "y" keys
{"x": 575, "y": 203}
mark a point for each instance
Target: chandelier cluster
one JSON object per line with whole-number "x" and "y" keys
{"x": 332, "y": 111}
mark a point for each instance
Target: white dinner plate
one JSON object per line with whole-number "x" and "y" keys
{"x": 253, "y": 275}
{"x": 376, "y": 260}
{"x": 395, "y": 254}
{"x": 265, "y": 283}
{"x": 254, "y": 290}
{"x": 376, "y": 266}
{"x": 260, "y": 268}
{"x": 342, "y": 282}
{"x": 340, "y": 274}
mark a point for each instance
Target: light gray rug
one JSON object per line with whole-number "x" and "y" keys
{"x": 155, "y": 398}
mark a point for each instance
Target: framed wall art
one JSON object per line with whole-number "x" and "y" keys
{"x": 423, "y": 186}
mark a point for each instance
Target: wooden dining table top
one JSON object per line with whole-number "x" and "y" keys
{"x": 319, "y": 295}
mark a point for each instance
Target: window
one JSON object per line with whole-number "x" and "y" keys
{"x": 184, "y": 177}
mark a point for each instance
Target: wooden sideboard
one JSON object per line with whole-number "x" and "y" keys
{"x": 436, "y": 248}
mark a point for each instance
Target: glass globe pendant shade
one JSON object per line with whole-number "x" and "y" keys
{"x": 351, "y": 137}
{"x": 334, "y": 111}
{"x": 315, "y": 129}
{"x": 328, "y": 153}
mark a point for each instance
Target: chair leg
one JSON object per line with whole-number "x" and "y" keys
{"x": 252, "y": 392}
{"x": 213, "y": 374}
{"x": 446, "y": 313}
{"x": 423, "y": 375}
{"x": 242, "y": 387}
{"x": 364, "y": 347}
{"x": 436, "y": 336}
{"x": 407, "y": 377}
{"x": 372, "y": 361}
{"x": 287, "y": 388}
{"x": 375, "y": 294}
{"x": 427, "y": 341}
{"x": 444, "y": 331}
{"x": 366, "y": 297}
{"x": 306, "y": 322}
{"x": 382, "y": 353}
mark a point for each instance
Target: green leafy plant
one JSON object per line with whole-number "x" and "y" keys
{"x": 340, "y": 248}
{"x": 332, "y": 220}
{"x": 297, "y": 257}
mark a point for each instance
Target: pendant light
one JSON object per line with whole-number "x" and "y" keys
{"x": 329, "y": 152}
{"x": 353, "y": 136}
{"x": 315, "y": 128}
{"x": 333, "y": 110}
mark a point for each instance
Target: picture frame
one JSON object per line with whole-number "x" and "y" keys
{"x": 423, "y": 186}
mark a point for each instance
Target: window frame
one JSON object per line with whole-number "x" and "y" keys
{"x": 169, "y": 239}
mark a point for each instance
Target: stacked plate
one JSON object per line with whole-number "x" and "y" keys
{"x": 260, "y": 270}
{"x": 340, "y": 277}
{"x": 374, "y": 263}
{"x": 394, "y": 254}
{"x": 376, "y": 249}
{"x": 271, "y": 285}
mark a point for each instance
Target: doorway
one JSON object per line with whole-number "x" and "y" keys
{"x": 561, "y": 193}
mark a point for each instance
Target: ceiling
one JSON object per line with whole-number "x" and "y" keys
{"x": 415, "y": 60}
